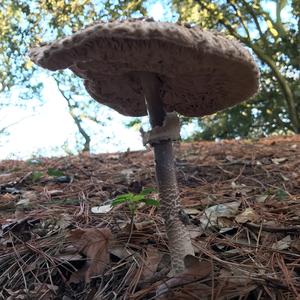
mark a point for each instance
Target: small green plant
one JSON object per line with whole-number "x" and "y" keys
{"x": 133, "y": 200}
{"x": 278, "y": 193}
{"x": 55, "y": 172}
{"x": 36, "y": 176}
{"x": 281, "y": 194}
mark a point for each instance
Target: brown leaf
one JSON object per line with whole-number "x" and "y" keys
{"x": 213, "y": 213}
{"x": 7, "y": 201}
{"x": 192, "y": 291}
{"x": 248, "y": 215}
{"x": 295, "y": 245}
{"x": 92, "y": 243}
{"x": 282, "y": 244}
{"x": 151, "y": 262}
{"x": 194, "y": 270}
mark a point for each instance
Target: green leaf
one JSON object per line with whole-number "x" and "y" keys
{"x": 147, "y": 191}
{"x": 151, "y": 202}
{"x": 133, "y": 123}
{"x": 281, "y": 194}
{"x": 122, "y": 199}
{"x": 35, "y": 176}
{"x": 118, "y": 201}
{"x": 55, "y": 172}
{"x": 137, "y": 198}
{"x": 125, "y": 196}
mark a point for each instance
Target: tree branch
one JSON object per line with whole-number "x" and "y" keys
{"x": 253, "y": 15}
{"x": 77, "y": 120}
{"x": 289, "y": 97}
{"x": 278, "y": 26}
{"x": 283, "y": 83}
{"x": 238, "y": 13}
{"x": 3, "y": 129}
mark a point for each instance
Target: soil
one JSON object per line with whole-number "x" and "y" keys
{"x": 241, "y": 203}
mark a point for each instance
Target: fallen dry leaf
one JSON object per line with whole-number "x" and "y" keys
{"x": 92, "y": 243}
{"x": 102, "y": 209}
{"x": 30, "y": 196}
{"x": 295, "y": 245}
{"x": 278, "y": 161}
{"x": 195, "y": 231}
{"x": 7, "y": 201}
{"x": 213, "y": 213}
{"x": 151, "y": 262}
{"x": 194, "y": 270}
{"x": 261, "y": 198}
{"x": 283, "y": 244}
{"x": 192, "y": 291}
{"x": 248, "y": 215}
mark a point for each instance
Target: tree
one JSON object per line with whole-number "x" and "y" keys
{"x": 26, "y": 23}
{"x": 274, "y": 40}
{"x": 74, "y": 108}
{"x": 275, "y": 43}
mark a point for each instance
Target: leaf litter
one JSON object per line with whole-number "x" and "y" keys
{"x": 93, "y": 244}
{"x": 60, "y": 237}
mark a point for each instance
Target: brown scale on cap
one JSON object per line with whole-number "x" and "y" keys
{"x": 201, "y": 71}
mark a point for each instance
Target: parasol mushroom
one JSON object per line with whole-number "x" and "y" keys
{"x": 137, "y": 66}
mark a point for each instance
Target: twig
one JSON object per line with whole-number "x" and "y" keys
{"x": 269, "y": 228}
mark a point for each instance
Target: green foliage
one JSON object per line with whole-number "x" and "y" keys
{"x": 36, "y": 176}
{"x": 275, "y": 42}
{"x": 281, "y": 194}
{"x": 55, "y": 172}
{"x": 24, "y": 24}
{"x": 134, "y": 122}
{"x": 133, "y": 200}
{"x": 276, "y": 109}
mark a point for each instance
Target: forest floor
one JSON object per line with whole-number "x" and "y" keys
{"x": 61, "y": 239}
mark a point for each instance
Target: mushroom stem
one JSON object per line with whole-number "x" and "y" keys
{"x": 151, "y": 87}
{"x": 178, "y": 236}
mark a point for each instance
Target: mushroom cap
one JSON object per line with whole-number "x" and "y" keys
{"x": 201, "y": 72}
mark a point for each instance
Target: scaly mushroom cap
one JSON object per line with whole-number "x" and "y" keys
{"x": 201, "y": 72}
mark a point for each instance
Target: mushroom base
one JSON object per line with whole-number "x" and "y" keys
{"x": 178, "y": 236}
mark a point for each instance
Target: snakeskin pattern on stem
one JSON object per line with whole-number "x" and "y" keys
{"x": 179, "y": 240}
